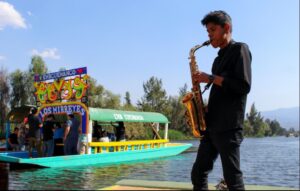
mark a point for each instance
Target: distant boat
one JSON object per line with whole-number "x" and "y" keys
{"x": 291, "y": 135}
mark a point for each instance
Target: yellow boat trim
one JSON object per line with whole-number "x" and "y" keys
{"x": 100, "y": 147}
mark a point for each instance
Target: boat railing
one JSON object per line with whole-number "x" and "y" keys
{"x": 100, "y": 147}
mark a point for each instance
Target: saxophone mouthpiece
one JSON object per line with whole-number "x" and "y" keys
{"x": 206, "y": 43}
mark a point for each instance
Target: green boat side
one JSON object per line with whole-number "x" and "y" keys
{"x": 107, "y": 158}
{"x": 9, "y": 159}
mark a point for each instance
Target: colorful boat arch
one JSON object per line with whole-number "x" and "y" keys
{"x": 67, "y": 108}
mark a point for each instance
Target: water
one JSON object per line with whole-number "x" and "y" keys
{"x": 265, "y": 161}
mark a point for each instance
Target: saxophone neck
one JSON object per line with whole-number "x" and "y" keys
{"x": 195, "y": 48}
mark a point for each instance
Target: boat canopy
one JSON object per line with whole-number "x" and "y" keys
{"x": 17, "y": 115}
{"x": 111, "y": 115}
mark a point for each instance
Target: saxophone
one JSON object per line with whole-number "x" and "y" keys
{"x": 193, "y": 100}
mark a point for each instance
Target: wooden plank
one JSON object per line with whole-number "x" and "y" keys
{"x": 118, "y": 187}
{"x": 150, "y": 185}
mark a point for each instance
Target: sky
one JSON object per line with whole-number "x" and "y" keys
{"x": 123, "y": 43}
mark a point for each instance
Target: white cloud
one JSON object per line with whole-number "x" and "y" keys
{"x": 51, "y": 53}
{"x": 10, "y": 17}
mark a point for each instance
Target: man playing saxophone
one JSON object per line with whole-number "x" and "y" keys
{"x": 231, "y": 82}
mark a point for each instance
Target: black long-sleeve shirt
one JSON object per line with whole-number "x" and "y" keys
{"x": 226, "y": 105}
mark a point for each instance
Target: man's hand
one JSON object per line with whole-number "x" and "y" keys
{"x": 201, "y": 77}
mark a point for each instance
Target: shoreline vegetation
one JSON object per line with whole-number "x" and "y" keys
{"x": 17, "y": 89}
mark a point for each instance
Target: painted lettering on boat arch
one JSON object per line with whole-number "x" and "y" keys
{"x": 61, "y": 86}
{"x": 67, "y": 108}
{"x": 118, "y": 116}
{"x": 61, "y": 89}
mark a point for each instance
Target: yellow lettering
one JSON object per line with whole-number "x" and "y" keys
{"x": 68, "y": 91}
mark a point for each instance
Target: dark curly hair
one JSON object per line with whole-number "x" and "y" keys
{"x": 33, "y": 110}
{"x": 217, "y": 17}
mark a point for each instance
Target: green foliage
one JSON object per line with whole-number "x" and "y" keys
{"x": 136, "y": 131}
{"x": 4, "y": 96}
{"x": 95, "y": 93}
{"x": 2, "y": 134}
{"x": 111, "y": 100}
{"x": 19, "y": 95}
{"x": 175, "y": 111}
{"x": 99, "y": 97}
{"x": 140, "y": 131}
{"x": 155, "y": 97}
{"x": 127, "y": 99}
{"x": 37, "y": 67}
{"x": 174, "y": 135}
{"x": 248, "y": 130}
{"x": 127, "y": 107}
{"x": 255, "y": 126}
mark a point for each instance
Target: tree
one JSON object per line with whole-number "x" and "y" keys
{"x": 95, "y": 93}
{"x": 154, "y": 98}
{"x": 268, "y": 131}
{"x": 128, "y": 106}
{"x": 127, "y": 98}
{"x": 135, "y": 131}
{"x": 19, "y": 95}
{"x": 37, "y": 67}
{"x": 176, "y": 112}
{"x": 252, "y": 114}
{"x": 183, "y": 91}
{"x": 99, "y": 97}
{"x": 248, "y": 130}
{"x": 258, "y": 125}
{"x": 171, "y": 111}
{"x": 256, "y": 122}
{"x": 181, "y": 113}
{"x": 4, "y": 96}
{"x": 111, "y": 100}
{"x": 276, "y": 128}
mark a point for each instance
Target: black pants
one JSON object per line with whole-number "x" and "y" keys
{"x": 228, "y": 146}
{"x": 58, "y": 149}
{"x": 70, "y": 146}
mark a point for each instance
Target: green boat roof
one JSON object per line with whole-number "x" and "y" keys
{"x": 111, "y": 115}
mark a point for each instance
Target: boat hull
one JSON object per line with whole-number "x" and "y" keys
{"x": 108, "y": 158}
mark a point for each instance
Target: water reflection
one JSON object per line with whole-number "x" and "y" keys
{"x": 88, "y": 177}
{"x": 4, "y": 176}
{"x": 267, "y": 161}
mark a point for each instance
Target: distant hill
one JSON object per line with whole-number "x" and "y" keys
{"x": 287, "y": 117}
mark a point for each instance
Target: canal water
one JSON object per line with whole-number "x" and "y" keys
{"x": 270, "y": 161}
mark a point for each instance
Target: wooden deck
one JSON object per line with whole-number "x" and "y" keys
{"x": 128, "y": 184}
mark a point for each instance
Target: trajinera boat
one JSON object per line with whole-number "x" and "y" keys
{"x": 92, "y": 152}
